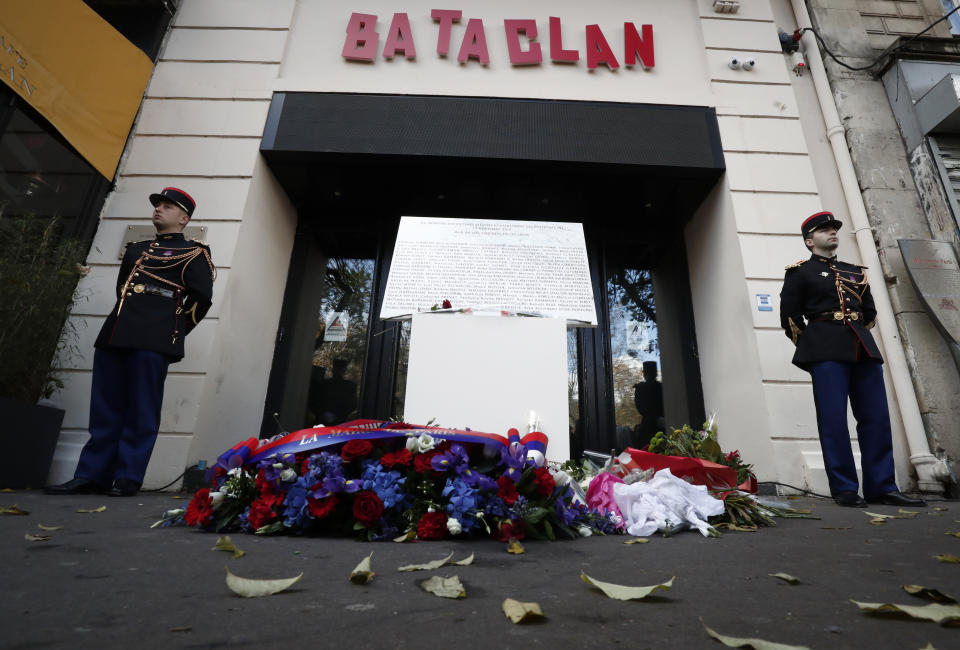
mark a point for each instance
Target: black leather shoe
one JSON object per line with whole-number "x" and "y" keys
{"x": 850, "y": 500}
{"x": 76, "y": 486}
{"x": 124, "y": 488}
{"x": 895, "y": 498}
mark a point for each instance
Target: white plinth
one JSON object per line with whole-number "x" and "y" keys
{"x": 487, "y": 373}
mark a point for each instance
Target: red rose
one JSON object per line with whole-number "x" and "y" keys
{"x": 510, "y": 529}
{"x": 432, "y": 525}
{"x": 367, "y": 508}
{"x": 402, "y": 458}
{"x": 543, "y": 483}
{"x": 421, "y": 462}
{"x": 321, "y": 508}
{"x": 446, "y": 305}
{"x": 355, "y": 450}
{"x": 260, "y": 514}
{"x": 507, "y": 490}
{"x": 199, "y": 512}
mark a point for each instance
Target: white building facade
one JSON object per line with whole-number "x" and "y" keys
{"x": 245, "y": 91}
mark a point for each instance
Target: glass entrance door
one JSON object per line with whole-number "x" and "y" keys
{"x": 340, "y": 345}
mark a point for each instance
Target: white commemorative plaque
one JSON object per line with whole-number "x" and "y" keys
{"x": 524, "y": 267}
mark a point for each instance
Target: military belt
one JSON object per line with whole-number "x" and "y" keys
{"x": 838, "y": 315}
{"x": 153, "y": 290}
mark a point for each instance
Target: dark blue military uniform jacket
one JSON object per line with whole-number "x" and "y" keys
{"x": 827, "y": 310}
{"x": 164, "y": 288}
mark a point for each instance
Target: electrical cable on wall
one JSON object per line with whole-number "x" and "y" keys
{"x": 791, "y": 43}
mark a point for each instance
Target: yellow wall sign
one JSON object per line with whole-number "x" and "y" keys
{"x": 75, "y": 70}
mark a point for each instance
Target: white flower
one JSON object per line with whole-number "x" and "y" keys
{"x": 453, "y": 525}
{"x": 278, "y": 466}
{"x": 561, "y": 478}
{"x": 176, "y": 512}
{"x": 422, "y": 444}
{"x": 584, "y": 531}
{"x": 288, "y": 475}
{"x": 216, "y": 498}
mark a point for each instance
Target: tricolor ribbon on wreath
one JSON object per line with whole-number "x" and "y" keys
{"x": 254, "y": 450}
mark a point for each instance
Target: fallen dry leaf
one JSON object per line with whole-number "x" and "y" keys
{"x": 928, "y": 593}
{"x": 363, "y": 573}
{"x": 100, "y": 509}
{"x": 408, "y": 536}
{"x": 181, "y": 629}
{"x": 956, "y": 534}
{"x": 786, "y": 577}
{"x": 465, "y": 561}
{"x": 13, "y": 510}
{"x": 42, "y": 527}
{"x": 943, "y": 614}
{"x": 622, "y": 592}
{"x": 907, "y": 514}
{"x": 637, "y": 540}
{"x": 252, "y": 588}
{"x": 426, "y": 566}
{"x": 878, "y": 515}
{"x": 224, "y": 543}
{"x": 949, "y": 559}
{"x": 756, "y": 644}
{"x": 444, "y": 587}
{"x": 515, "y": 547}
{"x": 519, "y": 612}
{"x": 36, "y": 538}
{"x": 876, "y": 521}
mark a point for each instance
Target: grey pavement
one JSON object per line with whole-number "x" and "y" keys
{"x": 107, "y": 580}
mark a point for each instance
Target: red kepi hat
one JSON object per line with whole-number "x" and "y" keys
{"x": 177, "y": 196}
{"x": 819, "y": 220}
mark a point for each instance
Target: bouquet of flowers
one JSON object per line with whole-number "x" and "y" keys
{"x": 393, "y": 487}
{"x": 700, "y": 443}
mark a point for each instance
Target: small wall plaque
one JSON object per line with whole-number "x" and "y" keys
{"x": 932, "y": 266}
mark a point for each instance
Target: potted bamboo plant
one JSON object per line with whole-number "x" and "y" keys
{"x": 39, "y": 270}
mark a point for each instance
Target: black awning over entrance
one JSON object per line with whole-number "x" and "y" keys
{"x": 540, "y": 158}
{"x": 662, "y": 137}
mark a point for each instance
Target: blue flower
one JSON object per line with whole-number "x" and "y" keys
{"x": 387, "y": 484}
{"x": 463, "y": 501}
{"x": 295, "y": 513}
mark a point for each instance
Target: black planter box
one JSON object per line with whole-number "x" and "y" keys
{"x": 28, "y": 433}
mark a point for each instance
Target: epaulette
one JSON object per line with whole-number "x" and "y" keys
{"x": 200, "y": 242}
{"x": 794, "y": 265}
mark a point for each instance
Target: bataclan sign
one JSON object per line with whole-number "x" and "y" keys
{"x": 361, "y": 43}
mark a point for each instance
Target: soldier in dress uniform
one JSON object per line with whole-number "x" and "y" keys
{"x": 163, "y": 290}
{"x": 827, "y": 310}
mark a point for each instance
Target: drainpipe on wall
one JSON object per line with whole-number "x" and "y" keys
{"x": 931, "y": 471}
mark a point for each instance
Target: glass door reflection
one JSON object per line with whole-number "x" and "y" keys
{"x": 340, "y": 345}
{"x": 635, "y": 356}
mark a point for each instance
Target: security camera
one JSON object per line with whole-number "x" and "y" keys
{"x": 734, "y": 63}
{"x": 748, "y": 64}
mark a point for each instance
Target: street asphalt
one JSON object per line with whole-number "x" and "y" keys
{"x": 108, "y": 580}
